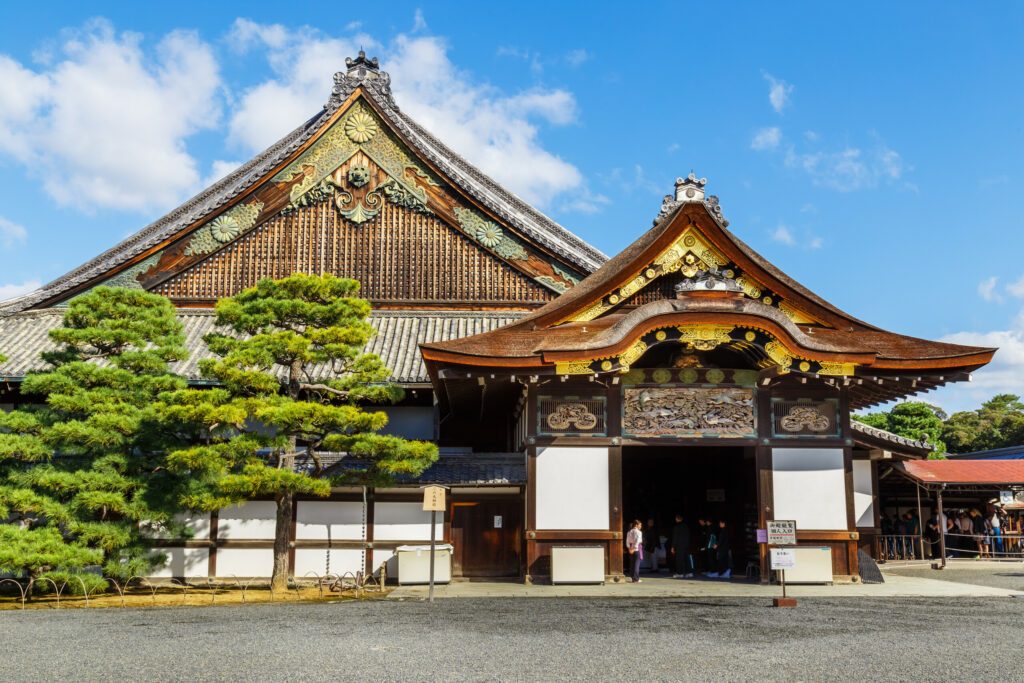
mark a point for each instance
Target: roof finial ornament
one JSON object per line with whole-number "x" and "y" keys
{"x": 690, "y": 189}
{"x": 365, "y": 72}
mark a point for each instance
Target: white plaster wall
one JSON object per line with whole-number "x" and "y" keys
{"x": 245, "y": 562}
{"x": 863, "y": 493}
{"x": 342, "y": 560}
{"x": 252, "y": 520}
{"x": 335, "y": 520}
{"x": 403, "y": 522}
{"x": 809, "y": 485}
{"x": 198, "y": 522}
{"x": 572, "y": 488}
{"x": 184, "y": 562}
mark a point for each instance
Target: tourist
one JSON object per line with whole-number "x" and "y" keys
{"x": 702, "y": 543}
{"x": 651, "y": 543}
{"x": 722, "y": 550}
{"x": 978, "y": 530}
{"x": 995, "y": 523}
{"x": 681, "y": 549}
{"x": 709, "y": 552}
{"x": 931, "y": 535}
{"x": 635, "y": 546}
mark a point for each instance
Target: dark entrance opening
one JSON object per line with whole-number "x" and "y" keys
{"x": 698, "y": 482}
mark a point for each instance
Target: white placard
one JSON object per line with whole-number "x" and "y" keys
{"x": 781, "y": 532}
{"x": 783, "y": 558}
{"x": 497, "y": 521}
{"x": 1005, "y": 497}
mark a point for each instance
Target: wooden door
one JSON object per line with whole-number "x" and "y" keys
{"x": 487, "y": 536}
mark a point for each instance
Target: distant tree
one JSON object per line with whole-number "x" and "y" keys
{"x": 86, "y": 466}
{"x": 914, "y": 420}
{"x": 998, "y": 423}
{"x": 292, "y": 382}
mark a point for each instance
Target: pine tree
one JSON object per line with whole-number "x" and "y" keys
{"x": 292, "y": 382}
{"x": 87, "y": 465}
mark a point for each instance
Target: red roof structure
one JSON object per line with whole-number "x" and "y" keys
{"x": 963, "y": 472}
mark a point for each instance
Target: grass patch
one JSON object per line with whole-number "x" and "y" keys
{"x": 190, "y": 596}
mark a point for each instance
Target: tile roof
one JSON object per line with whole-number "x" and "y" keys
{"x": 966, "y": 472}
{"x": 24, "y": 335}
{"x": 889, "y": 437}
{"x": 451, "y": 469}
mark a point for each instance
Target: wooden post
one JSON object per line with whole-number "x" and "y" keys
{"x": 920, "y": 520}
{"x": 433, "y": 539}
{"x": 942, "y": 529}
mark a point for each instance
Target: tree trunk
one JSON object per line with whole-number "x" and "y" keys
{"x": 282, "y": 539}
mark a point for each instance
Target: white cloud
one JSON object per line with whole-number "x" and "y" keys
{"x": 105, "y": 124}
{"x": 13, "y": 290}
{"x": 1005, "y": 374}
{"x": 498, "y": 132}
{"x": 987, "y": 289}
{"x": 11, "y": 233}
{"x": 783, "y": 235}
{"x": 766, "y": 138}
{"x": 419, "y": 23}
{"x": 1016, "y": 289}
{"x": 778, "y": 92}
{"x": 578, "y": 57}
{"x": 815, "y": 243}
{"x": 220, "y": 169}
{"x": 851, "y": 168}
{"x": 673, "y": 148}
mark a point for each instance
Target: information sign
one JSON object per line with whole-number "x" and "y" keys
{"x": 1005, "y": 497}
{"x": 783, "y": 558}
{"x": 781, "y": 532}
{"x": 433, "y": 498}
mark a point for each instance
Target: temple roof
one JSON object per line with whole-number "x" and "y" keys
{"x": 601, "y": 324}
{"x": 363, "y": 78}
{"x": 25, "y": 335}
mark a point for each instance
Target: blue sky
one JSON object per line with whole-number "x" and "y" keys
{"x": 872, "y": 151}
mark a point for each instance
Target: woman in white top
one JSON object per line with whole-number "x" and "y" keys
{"x": 635, "y": 546}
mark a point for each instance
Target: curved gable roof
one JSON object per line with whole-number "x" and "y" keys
{"x": 364, "y": 77}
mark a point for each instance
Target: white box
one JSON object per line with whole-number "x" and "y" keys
{"x": 577, "y": 564}
{"x": 414, "y": 563}
{"x": 813, "y": 565}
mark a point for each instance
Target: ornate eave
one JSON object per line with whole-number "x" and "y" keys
{"x": 228, "y": 207}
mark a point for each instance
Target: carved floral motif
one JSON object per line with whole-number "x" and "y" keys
{"x": 223, "y": 229}
{"x": 808, "y": 418}
{"x": 360, "y": 127}
{"x": 567, "y": 415}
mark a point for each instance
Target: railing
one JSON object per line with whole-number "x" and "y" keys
{"x": 985, "y": 546}
{"x": 892, "y": 547}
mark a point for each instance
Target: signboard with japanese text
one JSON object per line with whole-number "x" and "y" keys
{"x": 783, "y": 558}
{"x": 433, "y": 498}
{"x": 781, "y": 532}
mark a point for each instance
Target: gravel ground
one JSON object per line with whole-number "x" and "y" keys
{"x": 1009, "y": 575}
{"x": 524, "y": 639}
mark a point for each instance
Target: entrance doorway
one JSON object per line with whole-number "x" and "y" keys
{"x": 487, "y": 537}
{"x": 717, "y": 483}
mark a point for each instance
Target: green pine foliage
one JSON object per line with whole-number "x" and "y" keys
{"x": 34, "y": 552}
{"x": 87, "y": 467}
{"x": 293, "y": 384}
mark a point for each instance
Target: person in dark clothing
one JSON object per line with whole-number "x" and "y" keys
{"x": 681, "y": 549}
{"x": 931, "y": 535}
{"x": 701, "y": 544}
{"x": 722, "y": 548}
{"x": 651, "y": 542}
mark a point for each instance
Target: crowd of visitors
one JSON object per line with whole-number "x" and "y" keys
{"x": 708, "y": 552}
{"x": 969, "y": 533}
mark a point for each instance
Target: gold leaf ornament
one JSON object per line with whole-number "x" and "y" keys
{"x": 360, "y": 127}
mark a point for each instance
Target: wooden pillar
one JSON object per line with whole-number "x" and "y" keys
{"x": 531, "y": 484}
{"x": 763, "y": 465}
{"x": 616, "y": 559}
{"x": 852, "y": 563}
{"x": 212, "y": 564}
{"x": 368, "y": 510}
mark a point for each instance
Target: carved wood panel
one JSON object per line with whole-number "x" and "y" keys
{"x": 402, "y": 256}
{"x": 689, "y": 412}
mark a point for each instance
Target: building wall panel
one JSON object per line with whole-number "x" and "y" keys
{"x": 254, "y": 520}
{"x": 330, "y": 520}
{"x": 320, "y": 562}
{"x": 572, "y": 488}
{"x": 863, "y": 493}
{"x": 403, "y": 522}
{"x": 245, "y": 562}
{"x": 809, "y": 486}
{"x": 187, "y": 562}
